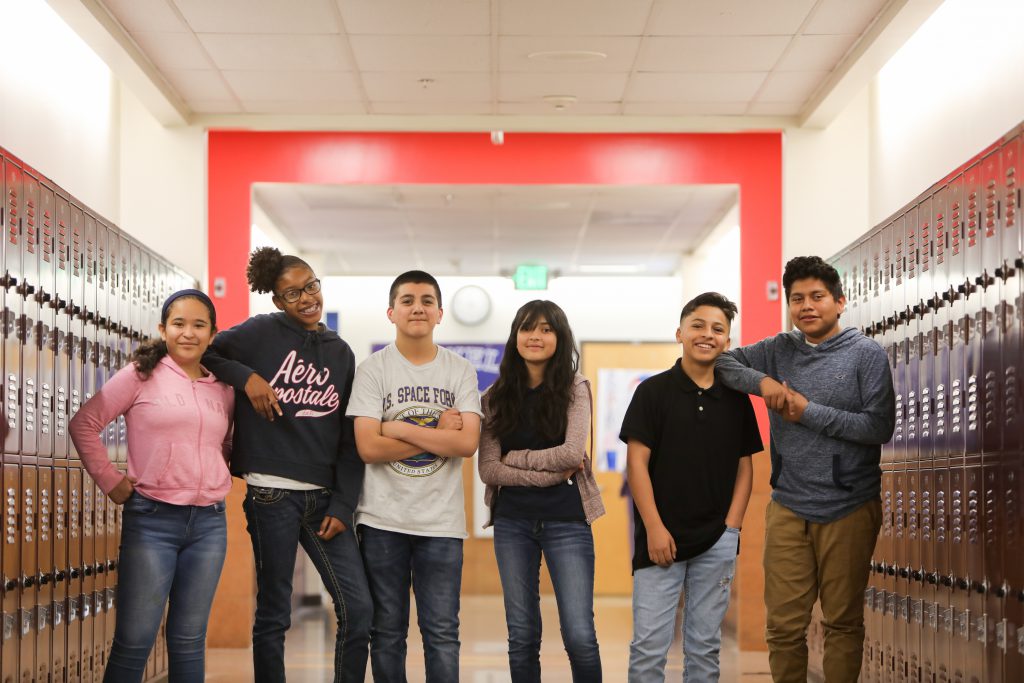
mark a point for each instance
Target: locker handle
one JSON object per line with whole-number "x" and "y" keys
{"x": 1019, "y": 263}
{"x": 933, "y": 578}
{"x": 980, "y": 588}
{"x": 112, "y": 565}
{"x": 962, "y": 584}
{"x": 87, "y": 570}
{"x": 904, "y": 572}
{"x": 75, "y": 573}
{"x": 100, "y": 568}
{"x": 891, "y": 571}
{"x": 947, "y": 581}
{"x": 10, "y": 281}
{"x": 1001, "y": 592}
{"x": 9, "y": 585}
{"x": 918, "y": 575}
{"x": 28, "y": 581}
{"x": 59, "y": 576}
{"x": 45, "y": 579}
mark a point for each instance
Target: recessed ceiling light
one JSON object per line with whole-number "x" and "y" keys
{"x": 561, "y": 102}
{"x": 567, "y": 56}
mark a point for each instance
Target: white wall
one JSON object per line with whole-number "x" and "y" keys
{"x": 59, "y": 105}
{"x": 715, "y": 266}
{"x": 825, "y": 184}
{"x": 163, "y": 186}
{"x": 954, "y": 88}
{"x": 598, "y": 308}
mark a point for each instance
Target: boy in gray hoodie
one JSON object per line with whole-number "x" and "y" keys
{"x": 831, "y": 396}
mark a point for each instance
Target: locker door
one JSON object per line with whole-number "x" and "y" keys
{"x": 53, "y": 210}
{"x": 973, "y": 625}
{"x": 990, "y": 289}
{"x": 44, "y": 655}
{"x": 73, "y": 613}
{"x": 58, "y": 609}
{"x": 30, "y": 324}
{"x": 114, "y": 513}
{"x": 99, "y": 596}
{"x": 29, "y": 573}
{"x": 88, "y": 576}
{"x": 13, "y": 328}
{"x": 12, "y": 571}
{"x": 62, "y": 326}
{"x": 76, "y": 313}
{"x": 1009, "y": 315}
{"x": 975, "y": 311}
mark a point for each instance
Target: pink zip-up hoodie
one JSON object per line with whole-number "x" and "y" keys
{"x": 179, "y": 434}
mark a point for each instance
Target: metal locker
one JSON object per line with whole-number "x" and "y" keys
{"x": 990, "y": 289}
{"x": 959, "y": 590}
{"x": 63, "y": 343}
{"x": 993, "y": 532}
{"x": 114, "y": 521}
{"x": 44, "y": 602}
{"x": 58, "y": 608}
{"x": 11, "y": 560}
{"x": 88, "y": 576}
{"x": 13, "y": 327}
{"x": 73, "y": 612}
{"x": 76, "y": 313}
{"x": 29, "y": 574}
{"x": 973, "y": 625}
{"x": 53, "y": 209}
{"x": 29, "y": 325}
{"x": 974, "y": 311}
{"x": 99, "y": 596}
{"x": 901, "y": 590}
{"x": 1011, "y": 641}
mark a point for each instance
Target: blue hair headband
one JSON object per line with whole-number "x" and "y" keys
{"x": 195, "y": 293}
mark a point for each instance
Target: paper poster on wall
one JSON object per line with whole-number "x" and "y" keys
{"x": 615, "y": 387}
{"x": 486, "y": 359}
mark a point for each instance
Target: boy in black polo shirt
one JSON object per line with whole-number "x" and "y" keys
{"x": 689, "y": 441}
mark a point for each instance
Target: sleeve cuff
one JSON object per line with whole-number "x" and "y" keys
{"x": 339, "y": 509}
{"x": 814, "y": 416}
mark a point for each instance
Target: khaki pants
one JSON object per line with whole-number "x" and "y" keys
{"x": 803, "y": 562}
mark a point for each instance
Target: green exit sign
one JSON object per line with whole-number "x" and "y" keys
{"x": 531, "y": 277}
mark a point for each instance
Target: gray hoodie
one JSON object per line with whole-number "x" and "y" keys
{"x": 825, "y": 466}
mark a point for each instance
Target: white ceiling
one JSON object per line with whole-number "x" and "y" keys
{"x": 472, "y": 57}
{"x": 490, "y": 229}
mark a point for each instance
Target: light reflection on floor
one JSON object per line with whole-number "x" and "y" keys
{"x": 309, "y": 648}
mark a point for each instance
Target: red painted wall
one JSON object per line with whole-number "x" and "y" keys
{"x": 237, "y": 159}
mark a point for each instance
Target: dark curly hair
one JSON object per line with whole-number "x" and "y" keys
{"x": 266, "y": 264}
{"x": 506, "y": 395}
{"x": 804, "y": 267}
{"x": 149, "y": 353}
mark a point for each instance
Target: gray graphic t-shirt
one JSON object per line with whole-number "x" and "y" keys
{"x": 421, "y": 495}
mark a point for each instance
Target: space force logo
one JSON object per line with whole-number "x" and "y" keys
{"x": 423, "y": 464}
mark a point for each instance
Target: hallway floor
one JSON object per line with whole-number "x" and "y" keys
{"x": 309, "y": 648}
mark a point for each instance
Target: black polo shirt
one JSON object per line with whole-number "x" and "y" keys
{"x": 697, "y": 437}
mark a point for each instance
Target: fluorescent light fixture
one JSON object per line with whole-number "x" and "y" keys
{"x": 613, "y": 268}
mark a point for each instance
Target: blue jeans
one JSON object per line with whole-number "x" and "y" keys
{"x": 167, "y": 552}
{"x": 568, "y": 549}
{"x": 278, "y": 522}
{"x": 432, "y": 565}
{"x": 705, "y": 582}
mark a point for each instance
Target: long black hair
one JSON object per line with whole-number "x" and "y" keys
{"x": 149, "y": 353}
{"x": 266, "y": 264}
{"x": 505, "y": 397}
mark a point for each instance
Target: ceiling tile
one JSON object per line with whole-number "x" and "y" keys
{"x": 422, "y": 53}
{"x": 542, "y": 108}
{"x": 685, "y": 108}
{"x": 695, "y": 87}
{"x": 815, "y": 53}
{"x": 790, "y": 86}
{"x": 197, "y": 84}
{"x": 146, "y": 15}
{"x": 245, "y": 52}
{"x": 711, "y": 54}
{"x": 406, "y": 87}
{"x": 514, "y": 53}
{"x": 304, "y": 107}
{"x": 573, "y": 17}
{"x": 421, "y": 108}
{"x": 843, "y": 16}
{"x": 173, "y": 50}
{"x": 437, "y": 17}
{"x": 259, "y": 16}
{"x": 310, "y": 86}
{"x": 728, "y": 17}
{"x": 594, "y": 87}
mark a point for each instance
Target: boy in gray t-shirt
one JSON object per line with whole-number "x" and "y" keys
{"x": 417, "y": 415}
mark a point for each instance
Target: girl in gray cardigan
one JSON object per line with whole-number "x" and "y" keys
{"x": 540, "y": 489}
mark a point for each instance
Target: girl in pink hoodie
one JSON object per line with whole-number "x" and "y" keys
{"x": 174, "y": 536}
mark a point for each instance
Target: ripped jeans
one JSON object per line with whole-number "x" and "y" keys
{"x": 705, "y": 581}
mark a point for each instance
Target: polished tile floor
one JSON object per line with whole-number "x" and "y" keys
{"x": 309, "y": 648}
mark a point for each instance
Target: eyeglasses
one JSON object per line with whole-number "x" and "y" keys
{"x": 292, "y": 295}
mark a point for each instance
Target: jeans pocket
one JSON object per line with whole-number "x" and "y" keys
{"x": 220, "y": 507}
{"x": 138, "y": 504}
{"x": 264, "y": 495}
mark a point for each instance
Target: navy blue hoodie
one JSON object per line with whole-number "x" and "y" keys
{"x": 312, "y": 373}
